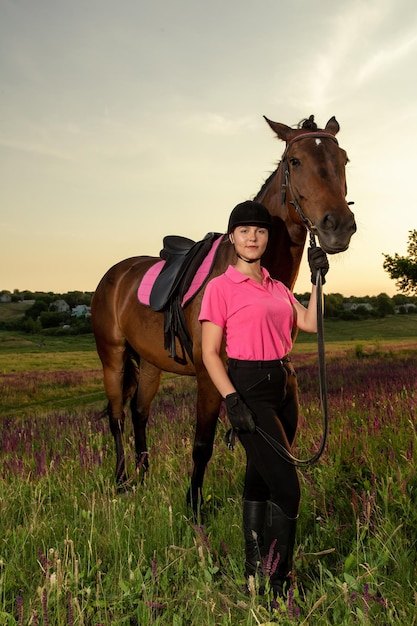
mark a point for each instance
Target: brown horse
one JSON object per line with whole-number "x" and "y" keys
{"x": 306, "y": 191}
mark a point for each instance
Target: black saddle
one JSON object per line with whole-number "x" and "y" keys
{"x": 182, "y": 257}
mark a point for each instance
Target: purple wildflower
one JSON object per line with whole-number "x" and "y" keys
{"x": 45, "y": 608}
{"x": 154, "y": 567}
{"x": 70, "y": 612}
{"x": 202, "y": 534}
{"x": 271, "y": 564}
{"x": 224, "y": 546}
{"x": 156, "y": 605}
{"x": 19, "y": 603}
{"x": 367, "y": 597}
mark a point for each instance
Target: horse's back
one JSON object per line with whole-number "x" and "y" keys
{"x": 120, "y": 321}
{"x": 117, "y": 291}
{"x": 113, "y": 278}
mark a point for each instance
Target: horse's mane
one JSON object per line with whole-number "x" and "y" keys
{"x": 266, "y": 183}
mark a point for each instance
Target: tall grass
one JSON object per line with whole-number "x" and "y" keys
{"x": 74, "y": 551}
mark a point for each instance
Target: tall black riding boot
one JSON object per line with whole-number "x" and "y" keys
{"x": 253, "y": 532}
{"x": 278, "y": 547}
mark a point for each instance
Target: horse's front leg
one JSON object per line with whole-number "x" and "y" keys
{"x": 148, "y": 380}
{"x": 208, "y": 406}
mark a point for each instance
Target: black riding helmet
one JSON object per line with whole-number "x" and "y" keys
{"x": 249, "y": 213}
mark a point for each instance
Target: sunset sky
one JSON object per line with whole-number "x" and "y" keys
{"x": 122, "y": 122}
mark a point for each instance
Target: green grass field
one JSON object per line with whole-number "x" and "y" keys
{"x": 75, "y": 552}
{"x": 393, "y": 328}
{"x": 13, "y": 310}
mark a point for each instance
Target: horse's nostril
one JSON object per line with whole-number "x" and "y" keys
{"x": 329, "y": 222}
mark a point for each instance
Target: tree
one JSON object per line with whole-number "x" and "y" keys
{"x": 52, "y": 319}
{"x": 36, "y": 309}
{"x": 30, "y": 325}
{"x": 384, "y": 305}
{"x": 76, "y": 297}
{"x": 403, "y": 269}
{"x": 333, "y": 304}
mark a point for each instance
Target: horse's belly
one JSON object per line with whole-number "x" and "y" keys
{"x": 143, "y": 329}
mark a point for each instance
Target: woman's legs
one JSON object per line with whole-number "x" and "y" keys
{"x": 268, "y": 475}
{"x": 270, "y": 479}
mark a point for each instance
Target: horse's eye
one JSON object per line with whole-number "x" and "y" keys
{"x": 294, "y": 162}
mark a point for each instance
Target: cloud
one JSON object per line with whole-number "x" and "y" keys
{"x": 347, "y": 37}
{"x": 385, "y": 58}
{"x": 35, "y": 148}
{"x": 216, "y": 124}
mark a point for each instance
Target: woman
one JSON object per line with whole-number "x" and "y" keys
{"x": 255, "y": 316}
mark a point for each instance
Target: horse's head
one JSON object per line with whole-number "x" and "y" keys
{"x": 314, "y": 182}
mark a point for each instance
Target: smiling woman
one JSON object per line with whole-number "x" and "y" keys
{"x": 255, "y": 316}
{"x": 248, "y": 229}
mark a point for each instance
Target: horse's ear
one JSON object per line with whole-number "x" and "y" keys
{"x": 332, "y": 126}
{"x": 284, "y": 132}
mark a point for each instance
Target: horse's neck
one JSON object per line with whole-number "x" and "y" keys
{"x": 287, "y": 239}
{"x": 283, "y": 256}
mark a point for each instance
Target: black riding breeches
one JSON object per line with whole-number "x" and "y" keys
{"x": 269, "y": 388}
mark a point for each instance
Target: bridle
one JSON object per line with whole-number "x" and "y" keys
{"x": 286, "y": 179}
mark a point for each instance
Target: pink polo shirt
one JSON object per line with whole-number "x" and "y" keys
{"x": 257, "y": 320}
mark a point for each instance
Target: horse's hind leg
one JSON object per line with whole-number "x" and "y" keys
{"x": 148, "y": 378}
{"x": 208, "y": 405}
{"x": 113, "y": 384}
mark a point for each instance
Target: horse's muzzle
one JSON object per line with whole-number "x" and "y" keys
{"x": 335, "y": 234}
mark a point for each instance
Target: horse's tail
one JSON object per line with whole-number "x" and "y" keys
{"x": 130, "y": 378}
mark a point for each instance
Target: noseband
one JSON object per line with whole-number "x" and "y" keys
{"x": 286, "y": 184}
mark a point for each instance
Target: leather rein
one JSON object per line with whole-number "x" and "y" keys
{"x": 276, "y": 445}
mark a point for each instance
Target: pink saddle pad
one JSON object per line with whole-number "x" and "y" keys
{"x": 200, "y": 276}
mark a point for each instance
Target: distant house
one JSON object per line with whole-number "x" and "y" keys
{"x": 60, "y": 306}
{"x": 5, "y": 297}
{"x": 352, "y": 306}
{"x": 81, "y": 310}
{"x": 406, "y": 308}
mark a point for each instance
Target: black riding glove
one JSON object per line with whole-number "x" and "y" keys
{"x": 239, "y": 414}
{"x": 317, "y": 260}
